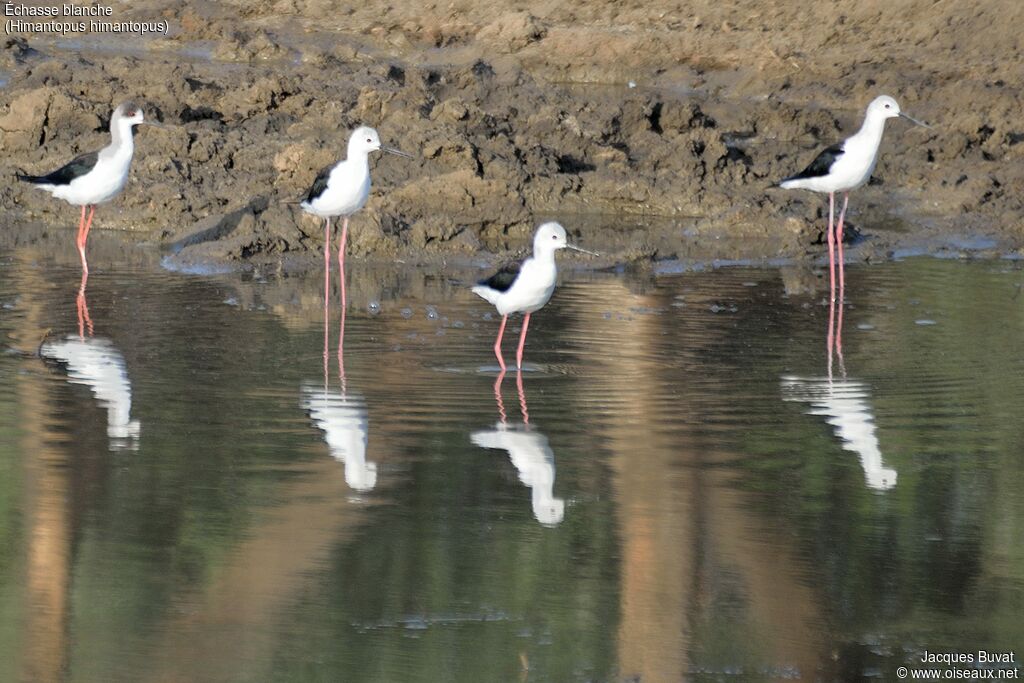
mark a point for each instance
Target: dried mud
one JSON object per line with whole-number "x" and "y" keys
{"x": 653, "y": 131}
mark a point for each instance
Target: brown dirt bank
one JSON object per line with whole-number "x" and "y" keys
{"x": 518, "y": 111}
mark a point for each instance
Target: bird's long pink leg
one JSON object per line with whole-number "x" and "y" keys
{"x": 85, "y": 236}
{"x": 344, "y": 301}
{"x": 522, "y": 342}
{"x": 341, "y": 336}
{"x": 79, "y": 242}
{"x": 81, "y": 224}
{"x": 839, "y": 244}
{"x": 341, "y": 257}
{"x": 327, "y": 296}
{"x": 831, "y": 247}
{"x": 497, "y": 343}
{"x": 327, "y": 253}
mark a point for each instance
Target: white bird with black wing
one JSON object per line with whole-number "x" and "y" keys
{"x": 96, "y": 177}
{"x": 525, "y": 288}
{"x": 341, "y": 189}
{"x": 846, "y": 166}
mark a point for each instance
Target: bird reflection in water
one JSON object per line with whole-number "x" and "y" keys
{"x": 96, "y": 363}
{"x": 845, "y": 405}
{"x": 342, "y": 416}
{"x": 529, "y": 452}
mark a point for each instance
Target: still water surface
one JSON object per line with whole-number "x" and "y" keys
{"x": 675, "y": 490}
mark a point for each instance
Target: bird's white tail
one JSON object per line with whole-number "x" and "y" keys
{"x": 485, "y": 292}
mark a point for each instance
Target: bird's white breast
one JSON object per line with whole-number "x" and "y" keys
{"x": 104, "y": 182}
{"x": 854, "y": 168}
{"x": 532, "y": 289}
{"x": 348, "y": 188}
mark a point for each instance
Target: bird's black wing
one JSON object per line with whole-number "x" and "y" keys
{"x": 822, "y": 164}
{"x": 502, "y": 280}
{"x": 320, "y": 184}
{"x": 76, "y": 168}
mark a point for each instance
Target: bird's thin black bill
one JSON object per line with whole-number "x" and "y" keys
{"x": 581, "y": 249}
{"x": 913, "y": 120}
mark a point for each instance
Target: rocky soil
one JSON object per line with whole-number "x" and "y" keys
{"x": 652, "y": 130}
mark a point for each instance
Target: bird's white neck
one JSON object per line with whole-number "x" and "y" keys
{"x": 121, "y": 137}
{"x": 543, "y": 253}
{"x": 870, "y": 133}
{"x": 356, "y": 153}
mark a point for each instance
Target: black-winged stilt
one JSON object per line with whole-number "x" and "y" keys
{"x": 846, "y": 166}
{"x": 341, "y": 189}
{"x": 95, "y": 177}
{"x": 525, "y": 288}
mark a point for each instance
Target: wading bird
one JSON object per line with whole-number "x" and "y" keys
{"x": 96, "y": 177}
{"x": 844, "y": 167}
{"x": 341, "y": 189}
{"x": 525, "y": 288}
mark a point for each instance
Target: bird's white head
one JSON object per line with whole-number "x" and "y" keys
{"x": 549, "y": 237}
{"x": 552, "y": 236}
{"x": 884, "y": 107}
{"x": 129, "y": 113}
{"x": 365, "y": 140}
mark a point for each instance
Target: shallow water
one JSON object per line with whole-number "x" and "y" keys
{"x": 186, "y": 497}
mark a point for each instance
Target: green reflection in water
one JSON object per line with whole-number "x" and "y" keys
{"x": 727, "y": 509}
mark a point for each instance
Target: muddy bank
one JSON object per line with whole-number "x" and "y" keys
{"x": 652, "y": 131}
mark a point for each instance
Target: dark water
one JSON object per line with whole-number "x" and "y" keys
{"x": 182, "y": 499}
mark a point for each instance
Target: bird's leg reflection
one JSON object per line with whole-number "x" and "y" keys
{"x": 834, "y": 340}
{"x": 522, "y": 398}
{"x": 341, "y": 336}
{"x": 839, "y": 332}
{"x": 830, "y": 338}
{"x": 502, "y": 415}
{"x": 84, "y": 321}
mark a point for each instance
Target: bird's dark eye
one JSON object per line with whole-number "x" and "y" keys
{"x": 554, "y": 237}
{"x": 887, "y": 106}
{"x": 369, "y": 140}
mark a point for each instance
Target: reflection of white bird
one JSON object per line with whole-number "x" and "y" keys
{"x": 345, "y": 424}
{"x": 95, "y": 363}
{"x": 532, "y": 457}
{"x": 844, "y": 403}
